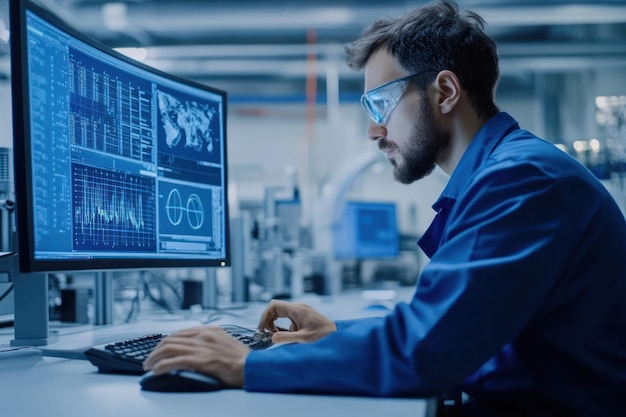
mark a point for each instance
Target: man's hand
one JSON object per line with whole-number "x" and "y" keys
{"x": 207, "y": 349}
{"x": 307, "y": 325}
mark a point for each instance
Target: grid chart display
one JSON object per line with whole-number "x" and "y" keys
{"x": 109, "y": 111}
{"x": 113, "y": 210}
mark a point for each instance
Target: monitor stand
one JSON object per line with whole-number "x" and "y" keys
{"x": 30, "y": 304}
{"x": 103, "y": 298}
{"x": 30, "y": 292}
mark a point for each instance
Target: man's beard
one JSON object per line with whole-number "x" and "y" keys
{"x": 418, "y": 158}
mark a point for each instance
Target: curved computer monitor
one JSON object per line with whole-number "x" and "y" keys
{"x": 117, "y": 165}
{"x": 367, "y": 230}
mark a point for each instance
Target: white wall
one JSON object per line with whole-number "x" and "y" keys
{"x": 610, "y": 82}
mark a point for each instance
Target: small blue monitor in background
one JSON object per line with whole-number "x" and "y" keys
{"x": 368, "y": 230}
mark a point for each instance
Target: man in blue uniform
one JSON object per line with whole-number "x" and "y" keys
{"x": 523, "y": 303}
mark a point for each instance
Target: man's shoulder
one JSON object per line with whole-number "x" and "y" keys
{"x": 524, "y": 146}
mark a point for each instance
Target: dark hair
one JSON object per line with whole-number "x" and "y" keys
{"x": 437, "y": 36}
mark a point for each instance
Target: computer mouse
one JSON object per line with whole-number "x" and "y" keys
{"x": 179, "y": 381}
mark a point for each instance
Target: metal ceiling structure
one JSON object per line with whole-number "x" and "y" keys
{"x": 270, "y": 47}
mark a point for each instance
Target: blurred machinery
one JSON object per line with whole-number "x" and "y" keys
{"x": 605, "y": 155}
{"x": 7, "y": 202}
{"x": 347, "y": 244}
{"x": 7, "y": 206}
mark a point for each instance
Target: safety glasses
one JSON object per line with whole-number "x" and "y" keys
{"x": 381, "y": 101}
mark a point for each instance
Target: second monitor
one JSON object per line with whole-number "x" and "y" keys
{"x": 368, "y": 230}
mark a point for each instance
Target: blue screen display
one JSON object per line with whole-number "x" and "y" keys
{"x": 368, "y": 230}
{"x": 122, "y": 162}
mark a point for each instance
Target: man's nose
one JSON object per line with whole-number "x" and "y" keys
{"x": 376, "y": 131}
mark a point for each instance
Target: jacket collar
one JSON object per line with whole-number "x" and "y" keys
{"x": 483, "y": 144}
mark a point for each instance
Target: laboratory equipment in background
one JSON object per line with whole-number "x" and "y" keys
{"x": 7, "y": 225}
{"x": 369, "y": 247}
{"x": 349, "y": 243}
{"x": 273, "y": 245}
{"x": 366, "y": 231}
{"x": 333, "y": 217}
{"x": 605, "y": 154}
{"x": 7, "y": 200}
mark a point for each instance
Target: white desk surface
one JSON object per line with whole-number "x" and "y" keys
{"x": 32, "y": 384}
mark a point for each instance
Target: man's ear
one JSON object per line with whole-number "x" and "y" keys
{"x": 448, "y": 90}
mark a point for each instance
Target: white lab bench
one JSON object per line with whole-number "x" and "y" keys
{"x": 36, "y": 384}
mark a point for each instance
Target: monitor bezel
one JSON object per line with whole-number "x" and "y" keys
{"x": 23, "y": 160}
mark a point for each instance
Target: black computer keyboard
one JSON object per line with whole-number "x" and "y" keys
{"x": 127, "y": 356}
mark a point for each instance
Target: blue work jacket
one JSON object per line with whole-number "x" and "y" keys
{"x": 522, "y": 305}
